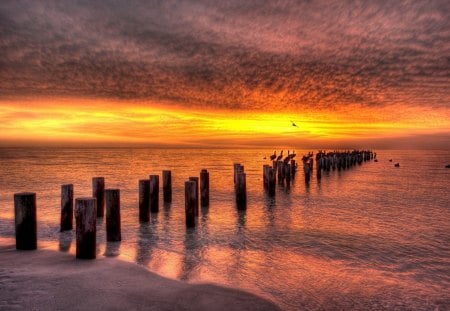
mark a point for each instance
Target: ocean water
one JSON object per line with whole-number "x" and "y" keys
{"x": 374, "y": 237}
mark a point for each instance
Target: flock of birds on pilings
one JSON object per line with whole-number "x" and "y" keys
{"x": 284, "y": 168}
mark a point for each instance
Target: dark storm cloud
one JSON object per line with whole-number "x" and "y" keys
{"x": 230, "y": 54}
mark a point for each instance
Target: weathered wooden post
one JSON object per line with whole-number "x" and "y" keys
{"x": 319, "y": 168}
{"x": 167, "y": 186}
{"x": 204, "y": 188}
{"x": 25, "y": 220}
{"x": 98, "y": 192}
{"x": 196, "y": 180}
{"x": 144, "y": 200}
{"x": 241, "y": 191}
{"x": 287, "y": 173}
{"x": 190, "y": 200}
{"x": 154, "y": 193}
{"x": 307, "y": 171}
{"x": 271, "y": 176}
{"x": 113, "y": 233}
{"x": 265, "y": 176}
{"x": 293, "y": 168}
{"x": 66, "y": 207}
{"x": 280, "y": 166}
{"x": 86, "y": 221}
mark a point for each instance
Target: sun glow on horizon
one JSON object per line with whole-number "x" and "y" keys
{"x": 73, "y": 120}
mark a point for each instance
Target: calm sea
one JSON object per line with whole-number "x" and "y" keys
{"x": 374, "y": 237}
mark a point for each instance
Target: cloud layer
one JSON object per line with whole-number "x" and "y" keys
{"x": 249, "y": 55}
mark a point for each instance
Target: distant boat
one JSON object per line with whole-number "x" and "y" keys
{"x": 447, "y": 166}
{"x": 397, "y": 164}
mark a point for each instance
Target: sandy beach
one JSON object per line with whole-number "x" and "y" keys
{"x": 49, "y": 280}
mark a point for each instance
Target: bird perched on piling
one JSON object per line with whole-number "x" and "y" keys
{"x": 273, "y": 156}
{"x": 280, "y": 156}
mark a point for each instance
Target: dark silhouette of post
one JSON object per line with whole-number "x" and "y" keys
{"x": 154, "y": 193}
{"x": 241, "y": 191}
{"x": 113, "y": 233}
{"x": 271, "y": 180}
{"x": 66, "y": 207}
{"x": 167, "y": 186}
{"x": 196, "y": 180}
{"x": 86, "y": 221}
{"x": 204, "y": 188}
{"x": 144, "y": 200}
{"x": 25, "y": 220}
{"x": 190, "y": 199}
{"x": 98, "y": 192}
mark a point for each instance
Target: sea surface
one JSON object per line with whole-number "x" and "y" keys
{"x": 374, "y": 237}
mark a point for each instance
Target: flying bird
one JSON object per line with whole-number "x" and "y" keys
{"x": 293, "y": 124}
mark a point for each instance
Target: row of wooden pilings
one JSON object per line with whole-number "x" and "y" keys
{"x": 284, "y": 171}
{"x": 88, "y": 209}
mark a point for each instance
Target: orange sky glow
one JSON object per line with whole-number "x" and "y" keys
{"x": 225, "y": 74}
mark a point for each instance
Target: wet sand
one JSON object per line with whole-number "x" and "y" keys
{"x": 49, "y": 280}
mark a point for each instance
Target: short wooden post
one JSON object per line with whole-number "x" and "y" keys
{"x": 98, "y": 192}
{"x": 167, "y": 186}
{"x": 144, "y": 200}
{"x": 66, "y": 207}
{"x": 271, "y": 176}
{"x": 113, "y": 233}
{"x": 25, "y": 220}
{"x": 241, "y": 191}
{"x": 86, "y": 221}
{"x": 287, "y": 172}
{"x": 154, "y": 193}
{"x": 190, "y": 200}
{"x": 307, "y": 171}
{"x": 196, "y": 180}
{"x": 265, "y": 176}
{"x": 204, "y": 188}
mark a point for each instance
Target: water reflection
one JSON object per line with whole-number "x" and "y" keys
{"x": 146, "y": 241}
{"x": 192, "y": 254}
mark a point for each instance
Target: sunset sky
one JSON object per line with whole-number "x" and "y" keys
{"x": 225, "y": 73}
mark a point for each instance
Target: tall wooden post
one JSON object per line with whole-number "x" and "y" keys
{"x": 154, "y": 193}
{"x": 144, "y": 200}
{"x": 271, "y": 176}
{"x": 98, "y": 192}
{"x": 66, "y": 207}
{"x": 113, "y": 215}
{"x": 167, "y": 186}
{"x": 196, "y": 180}
{"x": 25, "y": 220}
{"x": 204, "y": 188}
{"x": 241, "y": 191}
{"x": 190, "y": 200}
{"x": 86, "y": 221}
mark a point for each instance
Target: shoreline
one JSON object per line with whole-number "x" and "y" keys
{"x": 51, "y": 280}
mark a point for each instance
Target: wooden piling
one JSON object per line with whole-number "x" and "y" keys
{"x": 204, "y": 188}
{"x": 241, "y": 191}
{"x": 196, "y": 180}
{"x": 154, "y": 193}
{"x": 280, "y": 167}
{"x": 307, "y": 171}
{"x": 271, "y": 180}
{"x": 144, "y": 200}
{"x": 86, "y": 221}
{"x": 25, "y": 220}
{"x": 287, "y": 173}
{"x": 190, "y": 201}
{"x": 66, "y": 207}
{"x": 167, "y": 186}
{"x": 265, "y": 176}
{"x": 113, "y": 232}
{"x": 293, "y": 168}
{"x": 98, "y": 192}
